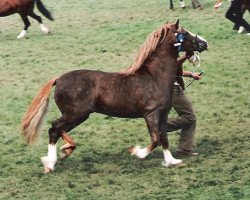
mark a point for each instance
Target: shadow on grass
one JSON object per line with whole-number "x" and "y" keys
{"x": 92, "y": 161}
{"x": 108, "y": 161}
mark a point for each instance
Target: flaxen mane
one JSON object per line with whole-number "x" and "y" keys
{"x": 147, "y": 49}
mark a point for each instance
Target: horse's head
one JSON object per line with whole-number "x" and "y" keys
{"x": 187, "y": 41}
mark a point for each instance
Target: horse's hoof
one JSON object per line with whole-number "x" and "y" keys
{"x": 66, "y": 152}
{"x": 47, "y": 170}
{"x": 175, "y": 162}
{"x": 137, "y": 151}
{"x": 134, "y": 150}
{"x": 22, "y": 34}
{"x": 131, "y": 150}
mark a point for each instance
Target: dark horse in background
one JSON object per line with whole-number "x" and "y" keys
{"x": 25, "y": 8}
{"x": 142, "y": 91}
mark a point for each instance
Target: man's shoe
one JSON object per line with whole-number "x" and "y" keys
{"x": 199, "y": 7}
{"x": 182, "y": 4}
{"x": 184, "y": 152}
{"x": 241, "y": 29}
{"x": 217, "y": 5}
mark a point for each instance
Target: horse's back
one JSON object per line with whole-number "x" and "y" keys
{"x": 9, "y": 7}
{"x": 80, "y": 89}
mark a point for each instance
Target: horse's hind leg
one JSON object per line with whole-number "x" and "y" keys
{"x": 43, "y": 28}
{"x": 69, "y": 146}
{"x": 26, "y": 22}
{"x": 59, "y": 129}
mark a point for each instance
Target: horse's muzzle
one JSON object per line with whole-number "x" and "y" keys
{"x": 202, "y": 46}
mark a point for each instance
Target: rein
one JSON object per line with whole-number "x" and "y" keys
{"x": 195, "y": 59}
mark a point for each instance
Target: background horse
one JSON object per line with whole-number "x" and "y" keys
{"x": 142, "y": 91}
{"x": 25, "y": 8}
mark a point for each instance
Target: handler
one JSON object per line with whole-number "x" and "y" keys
{"x": 234, "y": 14}
{"x": 186, "y": 121}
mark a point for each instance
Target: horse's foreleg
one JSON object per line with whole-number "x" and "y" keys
{"x": 152, "y": 123}
{"x": 169, "y": 160}
{"x": 26, "y": 25}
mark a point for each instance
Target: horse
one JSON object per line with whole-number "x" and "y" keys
{"x": 144, "y": 90}
{"x": 25, "y": 8}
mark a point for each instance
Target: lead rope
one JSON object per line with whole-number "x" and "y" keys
{"x": 195, "y": 60}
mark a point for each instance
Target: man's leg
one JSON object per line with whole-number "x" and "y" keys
{"x": 186, "y": 121}
{"x": 195, "y": 3}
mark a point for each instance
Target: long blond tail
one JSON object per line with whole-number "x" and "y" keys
{"x": 33, "y": 118}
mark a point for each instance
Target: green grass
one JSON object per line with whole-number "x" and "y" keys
{"x": 106, "y": 35}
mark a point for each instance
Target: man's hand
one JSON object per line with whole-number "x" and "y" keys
{"x": 196, "y": 76}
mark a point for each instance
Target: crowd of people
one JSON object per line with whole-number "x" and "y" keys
{"x": 234, "y": 13}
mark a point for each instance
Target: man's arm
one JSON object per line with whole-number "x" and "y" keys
{"x": 194, "y": 75}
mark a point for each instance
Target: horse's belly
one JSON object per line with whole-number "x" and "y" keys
{"x": 120, "y": 111}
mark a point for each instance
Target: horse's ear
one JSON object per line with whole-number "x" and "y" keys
{"x": 177, "y": 24}
{"x": 167, "y": 22}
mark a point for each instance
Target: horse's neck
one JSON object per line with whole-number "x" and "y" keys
{"x": 163, "y": 63}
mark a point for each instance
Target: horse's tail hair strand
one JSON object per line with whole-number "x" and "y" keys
{"x": 33, "y": 118}
{"x": 43, "y": 10}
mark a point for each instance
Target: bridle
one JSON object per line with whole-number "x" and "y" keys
{"x": 181, "y": 37}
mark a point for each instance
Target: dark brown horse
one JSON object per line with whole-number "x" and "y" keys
{"x": 25, "y": 8}
{"x": 142, "y": 91}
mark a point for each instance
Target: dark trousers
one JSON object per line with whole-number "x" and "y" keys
{"x": 234, "y": 14}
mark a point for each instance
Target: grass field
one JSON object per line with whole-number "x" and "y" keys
{"x": 106, "y": 35}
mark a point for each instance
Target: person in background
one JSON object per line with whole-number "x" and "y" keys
{"x": 186, "y": 120}
{"x": 218, "y": 4}
{"x": 182, "y": 4}
{"x": 195, "y": 4}
{"x": 235, "y": 14}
